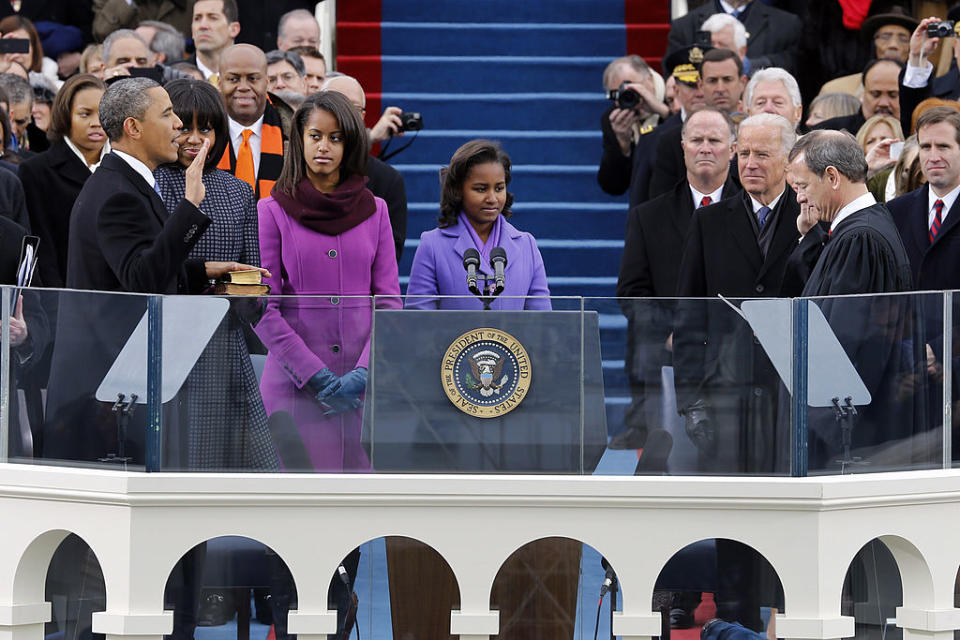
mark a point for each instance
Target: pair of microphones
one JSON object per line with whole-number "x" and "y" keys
{"x": 471, "y": 262}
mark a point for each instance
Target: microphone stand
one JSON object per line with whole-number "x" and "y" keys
{"x": 485, "y": 299}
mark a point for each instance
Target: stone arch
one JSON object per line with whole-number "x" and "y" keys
{"x": 695, "y": 567}
{"x": 413, "y": 567}
{"x": 894, "y": 573}
{"x": 536, "y": 588}
{"x": 31, "y": 574}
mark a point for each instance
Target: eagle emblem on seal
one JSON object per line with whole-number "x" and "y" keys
{"x": 486, "y": 368}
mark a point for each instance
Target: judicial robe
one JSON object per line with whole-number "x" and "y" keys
{"x": 882, "y": 336}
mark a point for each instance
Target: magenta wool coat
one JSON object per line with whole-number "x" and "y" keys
{"x": 438, "y": 271}
{"x": 327, "y": 329}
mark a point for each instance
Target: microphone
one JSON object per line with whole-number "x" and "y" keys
{"x": 343, "y": 575}
{"x": 498, "y": 258}
{"x": 471, "y": 262}
{"x": 607, "y": 582}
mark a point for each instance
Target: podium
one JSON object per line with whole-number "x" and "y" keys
{"x": 559, "y": 426}
{"x": 410, "y": 424}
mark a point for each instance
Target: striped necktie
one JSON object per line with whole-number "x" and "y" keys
{"x": 937, "y": 220}
{"x": 762, "y": 215}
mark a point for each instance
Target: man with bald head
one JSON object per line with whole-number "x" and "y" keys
{"x": 257, "y": 134}
{"x": 385, "y": 181}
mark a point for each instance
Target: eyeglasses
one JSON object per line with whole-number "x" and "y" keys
{"x": 887, "y": 37}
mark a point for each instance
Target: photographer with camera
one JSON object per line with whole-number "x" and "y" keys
{"x": 917, "y": 83}
{"x": 394, "y": 122}
{"x": 637, "y": 109}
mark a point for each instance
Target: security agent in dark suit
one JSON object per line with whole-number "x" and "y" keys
{"x": 727, "y": 388}
{"x": 774, "y": 35}
{"x": 655, "y": 234}
{"x": 627, "y": 132}
{"x": 722, "y": 82}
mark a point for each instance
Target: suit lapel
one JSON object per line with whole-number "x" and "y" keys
{"x": 738, "y": 226}
{"x": 918, "y": 223}
{"x": 156, "y": 203}
{"x": 756, "y": 22}
{"x": 68, "y": 164}
{"x": 685, "y": 208}
{"x": 785, "y": 235}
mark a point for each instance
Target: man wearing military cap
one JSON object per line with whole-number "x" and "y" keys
{"x": 618, "y": 170}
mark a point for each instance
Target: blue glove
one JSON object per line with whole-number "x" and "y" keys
{"x": 347, "y": 396}
{"x": 323, "y": 383}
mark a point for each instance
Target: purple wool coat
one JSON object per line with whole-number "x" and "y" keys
{"x": 438, "y": 271}
{"x": 306, "y": 334}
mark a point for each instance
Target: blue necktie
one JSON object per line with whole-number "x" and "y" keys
{"x": 762, "y": 215}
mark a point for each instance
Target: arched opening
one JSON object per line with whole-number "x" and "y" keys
{"x": 75, "y": 588}
{"x": 550, "y": 588}
{"x": 717, "y": 578}
{"x": 229, "y": 586}
{"x": 405, "y": 589}
{"x": 872, "y": 591}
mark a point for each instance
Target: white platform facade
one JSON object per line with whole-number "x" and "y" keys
{"x": 138, "y": 525}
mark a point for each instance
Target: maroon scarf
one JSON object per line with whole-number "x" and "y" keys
{"x": 329, "y": 213}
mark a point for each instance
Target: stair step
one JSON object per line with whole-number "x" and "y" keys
{"x": 485, "y": 38}
{"x": 559, "y": 182}
{"x": 524, "y": 147}
{"x": 571, "y": 111}
{"x": 501, "y": 74}
{"x": 503, "y": 11}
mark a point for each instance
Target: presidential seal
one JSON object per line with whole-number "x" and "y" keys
{"x": 486, "y": 373}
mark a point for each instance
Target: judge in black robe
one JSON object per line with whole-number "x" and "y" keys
{"x": 862, "y": 253}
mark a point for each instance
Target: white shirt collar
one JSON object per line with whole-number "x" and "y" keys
{"x": 948, "y": 201}
{"x": 857, "y": 204}
{"x": 92, "y": 167}
{"x": 728, "y": 8}
{"x": 237, "y": 129}
{"x": 138, "y": 166}
{"x": 698, "y": 197}
{"x": 204, "y": 69}
{"x": 773, "y": 204}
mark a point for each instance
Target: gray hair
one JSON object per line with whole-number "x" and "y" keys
{"x": 124, "y": 99}
{"x": 788, "y": 136}
{"x": 837, "y": 149}
{"x": 120, "y": 34}
{"x": 726, "y": 118}
{"x": 294, "y": 59}
{"x": 168, "y": 41}
{"x": 720, "y": 21}
{"x": 773, "y": 74}
{"x": 635, "y": 61}
{"x": 18, "y": 89}
{"x": 296, "y": 13}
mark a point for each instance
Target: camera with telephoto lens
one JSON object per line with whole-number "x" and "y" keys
{"x": 411, "y": 121}
{"x": 940, "y": 29}
{"x": 625, "y": 98}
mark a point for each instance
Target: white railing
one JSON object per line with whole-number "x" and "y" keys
{"x": 138, "y": 525}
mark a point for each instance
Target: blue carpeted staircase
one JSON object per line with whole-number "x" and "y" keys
{"x": 526, "y": 73}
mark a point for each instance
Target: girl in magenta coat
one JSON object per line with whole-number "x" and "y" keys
{"x": 326, "y": 240}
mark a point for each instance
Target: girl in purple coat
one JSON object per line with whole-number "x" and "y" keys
{"x": 324, "y": 238}
{"x": 473, "y": 206}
